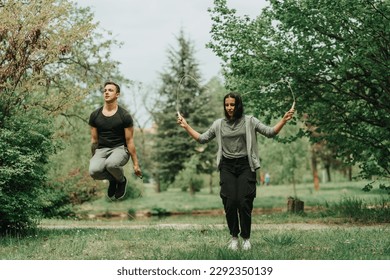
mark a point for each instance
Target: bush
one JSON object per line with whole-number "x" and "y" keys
{"x": 133, "y": 190}
{"x": 56, "y": 203}
{"x": 360, "y": 211}
{"x": 78, "y": 185}
{"x": 187, "y": 178}
{"x": 25, "y": 144}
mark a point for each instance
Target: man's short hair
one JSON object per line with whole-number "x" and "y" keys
{"x": 118, "y": 89}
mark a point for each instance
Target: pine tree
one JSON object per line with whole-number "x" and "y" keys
{"x": 181, "y": 90}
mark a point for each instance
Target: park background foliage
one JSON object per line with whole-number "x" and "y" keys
{"x": 52, "y": 63}
{"x": 335, "y": 55}
{"x": 54, "y": 60}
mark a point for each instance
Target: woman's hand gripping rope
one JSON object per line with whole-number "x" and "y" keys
{"x": 181, "y": 120}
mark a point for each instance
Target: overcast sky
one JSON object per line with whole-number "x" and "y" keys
{"x": 148, "y": 27}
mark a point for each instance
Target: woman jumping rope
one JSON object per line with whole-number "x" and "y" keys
{"x": 237, "y": 161}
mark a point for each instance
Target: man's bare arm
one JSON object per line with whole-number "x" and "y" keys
{"x": 129, "y": 135}
{"x": 94, "y": 139}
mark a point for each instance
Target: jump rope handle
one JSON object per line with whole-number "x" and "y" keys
{"x": 293, "y": 95}
{"x": 293, "y": 106}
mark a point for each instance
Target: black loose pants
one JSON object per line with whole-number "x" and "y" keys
{"x": 238, "y": 190}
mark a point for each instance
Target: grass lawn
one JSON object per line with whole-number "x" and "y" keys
{"x": 205, "y": 242}
{"x": 317, "y": 234}
{"x": 270, "y": 197}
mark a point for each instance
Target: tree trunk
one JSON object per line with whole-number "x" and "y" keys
{"x": 158, "y": 185}
{"x": 211, "y": 183}
{"x": 350, "y": 173}
{"x": 316, "y": 179}
{"x": 295, "y": 205}
{"x": 327, "y": 168}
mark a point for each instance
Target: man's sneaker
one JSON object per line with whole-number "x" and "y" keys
{"x": 111, "y": 189}
{"x": 233, "y": 244}
{"x": 121, "y": 189}
{"x": 246, "y": 245}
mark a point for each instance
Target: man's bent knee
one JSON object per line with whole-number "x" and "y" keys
{"x": 96, "y": 174}
{"x": 112, "y": 166}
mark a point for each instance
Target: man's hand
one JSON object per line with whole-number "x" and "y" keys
{"x": 137, "y": 171}
{"x": 93, "y": 148}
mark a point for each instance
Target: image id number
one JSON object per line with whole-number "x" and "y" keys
{"x": 240, "y": 270}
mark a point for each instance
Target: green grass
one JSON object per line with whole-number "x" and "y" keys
{"x": 271, "y": 197}
{"x": 340, "y": 222}
{"x": 204, "y": 243}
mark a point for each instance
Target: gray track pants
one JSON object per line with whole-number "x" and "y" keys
{"x": 107, "y": 163}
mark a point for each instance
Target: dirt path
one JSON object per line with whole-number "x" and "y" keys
{"x": 179, "y": 226}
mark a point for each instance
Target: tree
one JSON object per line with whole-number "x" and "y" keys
{"x": 335, "y": 55}
{"x": 187, "y": 178}
{"x": 181, "y": 89}
{"x": 51, "y": 58}
{"x": 143, "y": 98}
{"x": 286, "y": 161}
{"x": 215, "y": 91}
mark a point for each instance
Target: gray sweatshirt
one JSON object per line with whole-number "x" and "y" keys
{"x": 252, "y": 125}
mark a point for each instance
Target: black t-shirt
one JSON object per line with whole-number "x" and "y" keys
{"x": 111, "y": 131}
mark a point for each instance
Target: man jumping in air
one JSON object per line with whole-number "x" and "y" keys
{"x": 112, "y": 142}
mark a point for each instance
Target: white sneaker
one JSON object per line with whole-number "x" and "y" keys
{"x": 246, "y": 245}
{"x": 233, "y": 244}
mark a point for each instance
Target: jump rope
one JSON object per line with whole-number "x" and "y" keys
{"x": 177, "y": 105}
